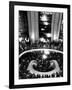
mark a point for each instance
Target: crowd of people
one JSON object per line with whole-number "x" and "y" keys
{"x": 57, "y": 45}
{"x": 42, "y": 64}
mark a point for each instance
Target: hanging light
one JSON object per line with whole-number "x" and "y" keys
{"x": 43, "y": 18}
{"x": 42, "y": 29}
{"x": 48, "y": 34}
{"x": 46, "y": 52}
{"x": 46, "y": 23}
{"x": 44, "y": 56}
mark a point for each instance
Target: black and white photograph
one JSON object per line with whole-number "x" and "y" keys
{"x": 40, "y": 44}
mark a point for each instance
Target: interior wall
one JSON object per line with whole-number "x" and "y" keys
{"x": 4, "y": 44}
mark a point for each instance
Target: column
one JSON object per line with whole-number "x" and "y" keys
{"x": 55, "y": 26}
{"x": 33, "y": 26}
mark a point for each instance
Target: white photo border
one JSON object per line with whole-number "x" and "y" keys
{"x": 18, "y": 81}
